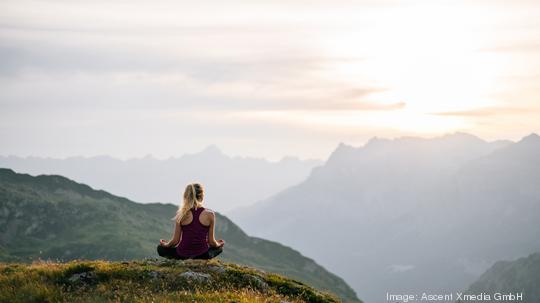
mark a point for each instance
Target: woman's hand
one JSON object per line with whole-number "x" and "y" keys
{"x": 220, "y": 242}
{"x": 163, "y": 243}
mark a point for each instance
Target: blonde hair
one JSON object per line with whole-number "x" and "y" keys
{"x": 193, "y": 198}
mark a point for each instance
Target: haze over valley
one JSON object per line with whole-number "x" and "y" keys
{"x": 230, "y": 181}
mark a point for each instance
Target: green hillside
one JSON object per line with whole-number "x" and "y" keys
{"x": 511, "y": 277}
{"x": 148, "y": 281}
{"x": 52, "y": 217}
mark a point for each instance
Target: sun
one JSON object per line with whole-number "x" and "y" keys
{"x": 430, "y": 58}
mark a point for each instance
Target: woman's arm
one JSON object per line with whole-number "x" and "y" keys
{"x": 176, "y": 237}
{"x": 211, "y": 239}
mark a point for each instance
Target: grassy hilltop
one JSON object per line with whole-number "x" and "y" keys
{"x": 149, "y": 281}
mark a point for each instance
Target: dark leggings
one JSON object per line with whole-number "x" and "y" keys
{"x": 170, "y": 253}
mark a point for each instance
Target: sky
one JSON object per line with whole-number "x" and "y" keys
{"x": 261, "y": 78}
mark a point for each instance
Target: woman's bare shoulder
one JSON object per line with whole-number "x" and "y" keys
{"x": 208, "y": 211}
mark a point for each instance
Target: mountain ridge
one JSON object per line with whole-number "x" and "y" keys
{"x": 148, "y": 179}
{"x": 406, "y": 194}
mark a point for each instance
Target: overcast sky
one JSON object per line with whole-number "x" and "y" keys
{"x": 261, "y": 78}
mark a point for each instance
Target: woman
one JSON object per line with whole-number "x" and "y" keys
{"x": 194, "y": 230}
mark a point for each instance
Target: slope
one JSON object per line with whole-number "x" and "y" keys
{"x": 52, "y": 217}
{"x": 511, "y": 277}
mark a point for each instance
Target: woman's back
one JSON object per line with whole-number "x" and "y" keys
{"x": 194, "y": 240}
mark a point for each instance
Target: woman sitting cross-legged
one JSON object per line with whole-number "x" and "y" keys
{"x": 194, "y": 230}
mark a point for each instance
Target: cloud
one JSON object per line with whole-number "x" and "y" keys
{"x": 515, "y": 47}
{"x": 353, "y": 105}
{"x": 175, "y": 91}
{"x": 398, "y": 268}
{"x": 69, "y": 72}
{"x": 491, "y": 111}
{"x": 54, "y": 56}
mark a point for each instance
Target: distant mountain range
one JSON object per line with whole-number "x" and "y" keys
{"x": 230, "y": 181}
{"x": 510, "y": 278}
{"x": 410, "y": 214}
{"x": 52, "y": 217}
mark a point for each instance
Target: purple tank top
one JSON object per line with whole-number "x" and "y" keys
{"x": 194, "y": 237}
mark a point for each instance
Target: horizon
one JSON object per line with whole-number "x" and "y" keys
{"x": 264, "y": 79}
{"x": 248, "y": 156}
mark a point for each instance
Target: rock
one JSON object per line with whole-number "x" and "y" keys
{"x": 84, "y": 277}
{"x": 217, "y": 269}
{"x": 154, "y": 274}
{"x": 151, "y": 261}
{"x": 195, "y": 262}
{"x": 169, "y": 263}
{"x": 195, "y": 276}
{"x": 257, "y": 282}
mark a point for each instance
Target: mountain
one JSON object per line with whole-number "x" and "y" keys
{"x": 150, "y": 180}
{"x": 521, "y": 276}
{"x": 52, "y": 217}
{"x": 149, "y": 281}
{"x": 414, "y": 214}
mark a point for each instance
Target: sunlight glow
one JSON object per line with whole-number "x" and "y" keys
{"x": 427, "y": 58}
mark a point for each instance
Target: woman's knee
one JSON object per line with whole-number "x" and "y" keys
{"x": 161, "y": 250}
{"x": 214, "y": 252}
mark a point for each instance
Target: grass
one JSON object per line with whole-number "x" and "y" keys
{"x": 149, "y": 280}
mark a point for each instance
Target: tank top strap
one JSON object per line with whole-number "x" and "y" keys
{"x": 197, "y": 213}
